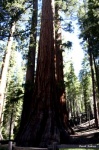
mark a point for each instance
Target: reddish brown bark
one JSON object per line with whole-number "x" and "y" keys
{"x": 44, "y": 125}
{"x": 59, "y": 68}
{"x": 30, "y": 74}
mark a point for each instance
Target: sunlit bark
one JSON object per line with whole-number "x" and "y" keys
{"x": 5, "y": 66}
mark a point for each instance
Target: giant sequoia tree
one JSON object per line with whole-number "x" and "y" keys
{"x": 58, "y": 59}
{"x": 44, "y": 125}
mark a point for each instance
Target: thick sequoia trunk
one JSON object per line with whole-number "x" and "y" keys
{"x": 59, "y": 76}
{"x": 44, "y": 125}
{"x": 30, "y": 74}
{"x": 59, "y": 66}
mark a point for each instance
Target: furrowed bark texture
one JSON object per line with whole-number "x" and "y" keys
{"x": 59, "y": 76}
{"x": 44, "y": 125}
{"x": 30, "y": 74}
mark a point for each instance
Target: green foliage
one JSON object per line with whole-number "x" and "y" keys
{"x": 58, "y": 3}
{"x": 14, "y": 96}
{"x": 67, "y": 45}
{"x": 86, "y": 84}
{"x": 11, "y": 12}
{"x": 89, "y": 24}
{"x": 70, "y": 8}
{"x": 72, "y": 92}
{"x": 13, "y": 5}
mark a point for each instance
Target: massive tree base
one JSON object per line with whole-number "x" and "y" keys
{"x": 45, "y": 124}
{"x": 42, "y": 130}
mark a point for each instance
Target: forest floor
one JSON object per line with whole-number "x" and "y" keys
{"x": 86, "y": 133}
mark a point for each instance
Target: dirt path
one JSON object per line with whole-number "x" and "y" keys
{"x": 85, "y": 134}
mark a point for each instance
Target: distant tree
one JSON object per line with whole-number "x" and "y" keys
{"x": 86, "y": 86}
{"x": 14, "y": 9}
{"x": 5, "y": 68}
{"x": 72, "y": 92}
{"x": 13, "y": 98}
{"x": 89, "y": 24}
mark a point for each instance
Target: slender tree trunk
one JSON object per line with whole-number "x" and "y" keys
{"x": 97, "y": 74}
{"x": 93, "y": 83}
{"x": 30, "y": 74}
{"x": 44, "y": 125}
{"x": 11, "y": 122}
{"x": 97, "y": 83}
{"x": 5, "y": 69}
{"x": 85, "y": 100}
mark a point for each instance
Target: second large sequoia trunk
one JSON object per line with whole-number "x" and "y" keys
{"x": 44, "y": 125}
